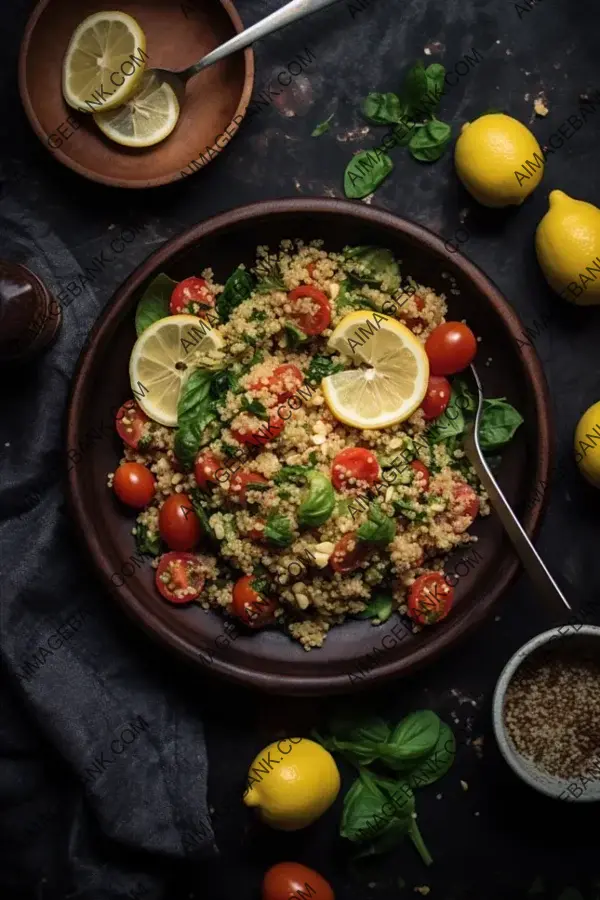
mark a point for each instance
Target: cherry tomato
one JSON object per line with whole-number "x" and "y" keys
{"x": 437, "y": 397}
{"x": 285, "y": 381}
{"x": 354, "y": 462}
{"x": 248, "y": 605}
{"x": 257, "y": 532}
{"x": 420, "y": 468}
{"x": 413, "y": 321}
{"x": 179, "y": 577}
{"x": 267, "y": 431}
{"x": 466, "y": 503}
{"x": 348, "y": 553}
{"x": 319, "y": 318}
{"x": 241, "y": 481}
{"x": 191, "y": 296}
{"x": 291, "y": 880}
{"x": 205, "y": 469}
{"x": 450, "y": 348}
{"x": 134, "y": 484}
{"x": 429, "y": 598}
{"x": 178, "y": 524}
{"x": 130, "y": 423}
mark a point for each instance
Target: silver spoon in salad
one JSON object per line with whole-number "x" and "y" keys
{"x": 532, "y": 561}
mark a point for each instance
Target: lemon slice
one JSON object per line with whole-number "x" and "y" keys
{"x": 392, "y": 371}
{"x": 146, "y": 118}
{"x": 104, "y": 62}
{"x": 161, "y": 362}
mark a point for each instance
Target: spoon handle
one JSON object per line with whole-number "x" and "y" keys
{"x": 532, "y": 561}
{"x": 289, "y": 13}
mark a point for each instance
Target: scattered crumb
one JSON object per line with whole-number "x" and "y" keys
{"x": 433, "y": 47}
{"x": 372, "y": 884}
{"x": 527, "y": 96}
{"x": 462, "y": 698}
{"x": 476, "y": 814}
{"x": 427, "y": 51}
{"x": 423, "y": 889}
{"x": 462, "y": 215}
{"x": 540, "y": 105}
{"x": 497, "y": 618}
{"x": 464, "y": 785}
{"x": 438, "y": 796}
{"x": 478, "y": 746}
{"x": 354, "y": 134}
{"x": 508, "y": 52}
{"x": 7, "y": 444}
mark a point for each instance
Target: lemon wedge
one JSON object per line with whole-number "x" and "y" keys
{"x": 146, "y": 118}
{"x": 161, "y": 362}
{"x": 104, "y": 62}
{"x": 391, "y": 374}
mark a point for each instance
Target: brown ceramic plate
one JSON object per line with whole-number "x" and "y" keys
{"x": 269, "y": 659}
{"x": 177, "y": 34}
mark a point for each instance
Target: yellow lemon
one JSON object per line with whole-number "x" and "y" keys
{"x": 498, "y": 160}
{"x": 587, "y": 444}
{"x": 567, "y": 243}
{"x": 292, "y": 782}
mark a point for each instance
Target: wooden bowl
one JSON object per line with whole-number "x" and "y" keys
{"x": 355, "y": 654}
{"x": 177, "y": 35}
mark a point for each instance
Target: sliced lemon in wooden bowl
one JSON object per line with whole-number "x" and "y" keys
{"x": 146, "y": 118}
{"x": 390, "y": 376}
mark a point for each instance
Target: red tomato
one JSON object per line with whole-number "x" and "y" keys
{"x": 348, "y": 553}
{"x": 134, "y": 484}
{"x": 178, "y": 524}
{"x": 267, "y": 431}
{"x": 450, "y": 348}
{"x": 466, "y": 503}
{"x": 412, "y": 321}
{"x": 205, "y": 469}
{"x": 130, "y": 423}
{"x": 437, "y": 397}
{"x": 179, "y": 577}
{"x": 241, "y": 481}
{"x": 429, "y": 598}
{"x": 354, "y": 462}
{"x": 418, "y": 467}
{"x": 284, "y": 382}
{"x": 316, "y": 321}
{"x": 291, "y": 880}
{"x": 254, "y": 611}
{"x": 257, "y": 533}
{"x": 191, "y": 296}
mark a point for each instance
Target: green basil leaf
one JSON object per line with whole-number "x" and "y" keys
{"x": 222, "y": 382}
{"x": 498, "y": 424}
{"x": 373, "y": 730}
{"x": 383, "y": 109}
{"x": 195, "y": 411}
{"x": 435, "y": 74}
{"x": 365, "y": 172}
{"x": 451, "y": 422}
{"x": 380, "y": 607}
{"x": 295, "y": 336}
{"x": 238, "y": 288}
{"x": 379, "y": 528}
{"x": 278, "y": 530}
{"x": 148, "y": 543}
{"x": 386, "y": 840}
{"x": 319, "y": 501}
{"x": 374, "y": 266}
{"x": 403, "y": 132}
{"x": 432, "y": 767}
{"x": 414, "y": 737}
{"x": 322, "y": 127}
{"x": 429, "y": 141}
{"x": 295, "y": 474}
{"x": 320, "y": 367}
{"x": 154, "y": 302}
{"x": 415, "y": 88}
{"x": 362, "y": 815}
{"x": 255, "y": 408}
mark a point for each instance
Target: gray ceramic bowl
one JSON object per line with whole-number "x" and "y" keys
{"x": 585, "y": 636}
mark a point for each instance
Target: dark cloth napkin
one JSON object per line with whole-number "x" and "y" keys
{"x": 103, "y": 764}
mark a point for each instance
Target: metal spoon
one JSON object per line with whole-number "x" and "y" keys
{"x": 532, "y": 562}
{"x": 291, "y": 12}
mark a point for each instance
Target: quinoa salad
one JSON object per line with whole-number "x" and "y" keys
{"x": 259, "y": 498}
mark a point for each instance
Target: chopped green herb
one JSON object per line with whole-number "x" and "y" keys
{"x": 322, "y": 127}
{"x": 278, "y": 530}
{"x": 255, "y": 408}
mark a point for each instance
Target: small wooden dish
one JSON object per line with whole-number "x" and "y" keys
{"x": 177, "y": 34}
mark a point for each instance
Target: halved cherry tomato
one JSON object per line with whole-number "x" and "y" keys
{"x": 354, "y": 462}
{"x": 241, "y": 481}
{"x": 318, "y": 320}
{"x": 134, "y": 484}
{"x": 429, "y": 598}
{"x": 437, "y": 397}
{"x": 130, "y": 423}
{"x": 466, "y": 503}
{"x": 178, "y": 524}
{"x": 412, "y": 321}
{"x": 420, "y": 468}
{"x": 267, "y": 431}
{"x": 291, "y": 880}
{"x": 450, "y": 348}
{"x": 248, "y": 605}
{"x": 205, "y": 469}
{"x": 284, "y": 381}
{"x": 191, "y": 296}
{"x": 348, "y": 553}
{"x": 179, "y": 577}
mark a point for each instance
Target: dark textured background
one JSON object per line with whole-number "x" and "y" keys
{"x": 495, "y": 839}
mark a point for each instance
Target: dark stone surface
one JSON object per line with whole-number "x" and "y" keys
{"x": 496, "y": 838}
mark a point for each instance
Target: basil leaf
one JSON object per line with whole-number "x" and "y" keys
{"x": 319, "y": 501}
{"x": 435, "y": 74}
{"x": 154, "y": 302}
{"x": 278, "y": 530}
{"x": 295, "y": 336}
{"x": 222, "y": 382}
{"x": 194, "y": 413}
{"x": 498, "y": 424}
{"x": 380, "y": 607}
{"x": 413, "y": 738}
{"x": 255, "y": 408}
{"x": 415, "y": 88}
{"x": 322, "y": 127}
{"x": 387, "y": 839}
{"x": 383, "y": 109}
{"x": 429, "y": 141}
{"x": 320, "y": 367}
{"x": 238, "y": 288}
{"x": 148, "y": 543}
{"x": 374, "y": 729}
{"x": 362, "y": 814}
{"x": 451, "y": 422}
{"x": 437, "y": 763}
{"x": 365, "y": 172}
{"x": 379, "y": 528}
{"x": 373, "y": 265}
{"x": 295, "y": 474}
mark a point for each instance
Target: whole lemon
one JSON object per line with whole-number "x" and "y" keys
{"x": 498, "y": 160}
{"x": 587, "y": 444}
{"x": 292, "y": 782}
{"x": 567, "y": 243}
